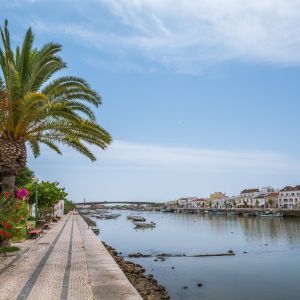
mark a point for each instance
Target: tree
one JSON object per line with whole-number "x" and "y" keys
{"x": 69, "y": 205}
{"x": 25, "y": 177}
{"x": 48, "y": 194}
{"x": 270, "y": 202}
{"x": 256, "y": 203}
{"x": 35, "y": 111}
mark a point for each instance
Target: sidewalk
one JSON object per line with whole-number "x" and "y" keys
{"x": 69, "y": 262}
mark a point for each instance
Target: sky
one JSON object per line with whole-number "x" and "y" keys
{"x": 199, "y": 96}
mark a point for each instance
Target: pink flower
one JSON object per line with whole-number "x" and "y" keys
{"x": 21, "y": 194}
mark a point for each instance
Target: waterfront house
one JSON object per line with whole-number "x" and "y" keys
{"x": 198, "y": 203}
{"x": 231, "y": 202}
{"x": 216, "y": 200}
{"x": 272, "y": 199}
{"x": 247, "y": 197}
{"x": 260, "y": 201}
{"x": 254, "y": 197}
{"x": 289, "y": 197}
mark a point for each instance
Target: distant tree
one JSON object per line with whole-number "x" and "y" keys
{"x": 210, "y": 204}
{"x": 270, "y": 202}
{"x": 257, "y": 203}
{"x": 69, "y": 206}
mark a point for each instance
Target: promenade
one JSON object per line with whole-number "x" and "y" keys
{"x": 69, "y": 262}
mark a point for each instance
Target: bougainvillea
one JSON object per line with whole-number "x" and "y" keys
{"x": 13, "y": 213}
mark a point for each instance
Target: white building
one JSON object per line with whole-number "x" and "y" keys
{"x": 289, "y": 197}
{"x": 254, "y": 197}
{"x": 260, "y": 201}
{"x": 198, "y": 203}
{"x": 59, "y": 208}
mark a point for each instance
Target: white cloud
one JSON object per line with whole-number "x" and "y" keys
{"x": 133, "y": 171}
{"x": 184, "y": 35}
{"x": 128, "y": 155}
{"x": 180, "y": 31}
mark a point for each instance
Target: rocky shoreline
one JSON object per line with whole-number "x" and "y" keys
{"x": 146, "y": 285}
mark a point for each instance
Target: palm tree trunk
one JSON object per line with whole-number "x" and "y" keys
{"x": 8, "y": 182}
{"x": 12, "y": 161}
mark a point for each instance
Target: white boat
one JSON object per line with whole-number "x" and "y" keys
{"x": 136, "y": 218}
{"x": 144, "y": 225}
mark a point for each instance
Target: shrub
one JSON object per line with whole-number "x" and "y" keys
{"x": 13, "y": 212}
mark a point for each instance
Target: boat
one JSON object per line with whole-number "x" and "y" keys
{"x": 270, "y": 214}
{"x": 136, "y": 218}
{"x": 112, "y": 216}
{"x": 144, "y": 225}
{"x": 96, "y": 230}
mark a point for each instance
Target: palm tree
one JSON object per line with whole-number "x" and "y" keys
{"x": 35, "y": 110}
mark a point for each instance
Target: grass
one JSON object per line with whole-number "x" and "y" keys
{"x": 9, "y": 249}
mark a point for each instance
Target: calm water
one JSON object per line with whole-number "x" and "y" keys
{"x": 270, "y": 270}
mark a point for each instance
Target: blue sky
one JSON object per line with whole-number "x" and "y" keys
{"x": 200, "y": 96}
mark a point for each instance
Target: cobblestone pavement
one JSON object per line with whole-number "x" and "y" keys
{"x": 69, "y": 262}
{"x": 40, "y": 272}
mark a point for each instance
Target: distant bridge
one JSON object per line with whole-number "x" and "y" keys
{"x": 116, "y": 202}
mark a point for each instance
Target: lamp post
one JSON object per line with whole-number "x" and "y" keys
{"x": 36, "y": 200}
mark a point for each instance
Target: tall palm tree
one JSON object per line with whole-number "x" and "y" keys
{"x": 35, "y": 110}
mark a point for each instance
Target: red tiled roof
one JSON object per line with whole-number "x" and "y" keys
{"x": 274, "y": 194}
{"x": 249, "y": 191}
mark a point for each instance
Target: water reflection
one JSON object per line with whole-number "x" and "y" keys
{"x": 272, "y": 246}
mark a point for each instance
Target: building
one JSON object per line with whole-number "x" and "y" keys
{"x": 272, "y": 200}
{"x": 217, "y": 195}
{"x": 198, "y": 203}
{"x": 289, "y": 197}
{"x": 247, "y": 197}
{"x": 254, "y": 197}
{"x": 259, "y": 201}
{"x": 59, "y": 208}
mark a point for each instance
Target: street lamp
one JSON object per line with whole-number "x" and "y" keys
{"x": 35, "y": 180}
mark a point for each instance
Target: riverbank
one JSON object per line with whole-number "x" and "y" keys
{"x": 147, "y": 286}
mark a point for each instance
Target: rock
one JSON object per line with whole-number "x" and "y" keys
{"x": 136, "y": 255}
{"x": 199, "y": 284}
{"x": 245, "y": 252}
{"x": 230, "y": 251}
{"x": 173, "y": 268}
{"x": 185, "y": 287}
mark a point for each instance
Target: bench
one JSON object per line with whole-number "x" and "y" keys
{"x": 46, "y": 226}
{"x": 34, "y": 233}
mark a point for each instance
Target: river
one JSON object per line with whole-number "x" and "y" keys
{"x": 269, "y": 270}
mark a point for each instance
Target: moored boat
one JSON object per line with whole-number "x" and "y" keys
{"x": 136, "y": 218}
{"x": 144, "y": 225}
